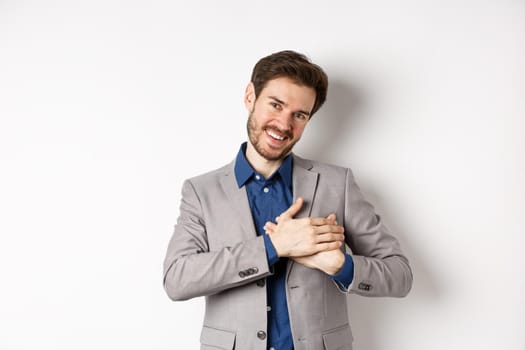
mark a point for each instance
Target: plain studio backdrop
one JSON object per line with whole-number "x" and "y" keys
{"x": 107, "y": 106}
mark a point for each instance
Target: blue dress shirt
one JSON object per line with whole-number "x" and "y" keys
{"x": 268, "y": 198}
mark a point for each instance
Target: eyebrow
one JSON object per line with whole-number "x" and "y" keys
{"x": 285, "y": 104}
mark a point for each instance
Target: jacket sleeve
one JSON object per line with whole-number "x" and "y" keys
{"x": 380, "y": 267}
{"x": 191, "y": 269}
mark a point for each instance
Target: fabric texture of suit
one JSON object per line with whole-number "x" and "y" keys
{"x": 215, "y": 252}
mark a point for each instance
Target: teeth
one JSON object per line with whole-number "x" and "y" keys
{"x": 275, "y": 136}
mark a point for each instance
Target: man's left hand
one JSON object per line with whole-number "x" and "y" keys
{"x": 330, "y": 261}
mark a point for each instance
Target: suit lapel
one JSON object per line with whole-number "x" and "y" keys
{"x": 238, "y": 201}
{"x": 304, "y": 186}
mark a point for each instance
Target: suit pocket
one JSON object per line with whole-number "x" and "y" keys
{"x": 213, "y": 338}
{"x": 339, "y": 338}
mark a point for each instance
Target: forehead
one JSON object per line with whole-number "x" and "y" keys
{"x": 288, "y": 91}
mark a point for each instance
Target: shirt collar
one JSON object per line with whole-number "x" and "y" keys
{"x": 243, "y": 169}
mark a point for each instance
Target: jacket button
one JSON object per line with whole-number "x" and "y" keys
{"x": 364, "y": 286}
{"x": 242, "y": 274}
{"x": 261, "y": 335}
{"x": 260, "y": 283}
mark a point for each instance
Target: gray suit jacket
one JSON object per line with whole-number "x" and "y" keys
{"x": 215, "y": 252}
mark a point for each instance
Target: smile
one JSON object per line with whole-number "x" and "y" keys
{"x": 274, "y": 135}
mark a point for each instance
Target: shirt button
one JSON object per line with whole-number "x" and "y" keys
{"x": 257, "y": 177}
{"x": 261, "y": 335}
{"x": 266, "y": 190}
{"x": 268, "y": 308}
{"x": 272, "y": 348}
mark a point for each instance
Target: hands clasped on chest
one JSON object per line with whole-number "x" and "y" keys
{"x": 314, "y": 241}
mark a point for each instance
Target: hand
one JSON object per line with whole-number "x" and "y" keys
{"x": 330, "y": 262}
{"x": 306, "y": 236}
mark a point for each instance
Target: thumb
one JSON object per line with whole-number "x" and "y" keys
{"x": 269, "y": 227}
{"x": 293, "y": 209}
{"x": 331, "y": 218}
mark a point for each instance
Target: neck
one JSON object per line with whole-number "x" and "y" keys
{"x": 262, "y": 165}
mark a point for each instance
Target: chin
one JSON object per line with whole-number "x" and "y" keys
{"x": 273, "y": 155}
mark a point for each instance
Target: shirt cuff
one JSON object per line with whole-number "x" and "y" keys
{"x": 346, "y": 274}
{"x": 271, "y": 254}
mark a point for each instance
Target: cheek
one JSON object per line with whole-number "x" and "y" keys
{"x": 268, "y": 113}
{"x": 264, "y": 115}
{"x": 298, "y": 130}
{"x": 258, "y": 111}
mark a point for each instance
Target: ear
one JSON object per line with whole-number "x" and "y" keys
{"x": 249, "y": 97}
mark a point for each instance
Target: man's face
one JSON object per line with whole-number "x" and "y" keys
{"x": 278, "y": 116}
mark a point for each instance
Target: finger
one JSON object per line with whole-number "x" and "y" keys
{"x": 323, "y": 247}
{"x": 329, "y": 237}
{"x": 328, "y": 229}
{"x": 319, "y": 221}
{"x": 331, "y": 218}
{"x": 269, "y": 227}
{"x": 293, "y": 209}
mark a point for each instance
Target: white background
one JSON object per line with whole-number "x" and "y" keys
{"x": 106, "y": 106}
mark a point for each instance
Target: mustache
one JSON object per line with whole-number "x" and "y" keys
{"x": 286, "y": 133}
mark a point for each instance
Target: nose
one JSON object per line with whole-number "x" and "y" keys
{"x": 285, "y": 120}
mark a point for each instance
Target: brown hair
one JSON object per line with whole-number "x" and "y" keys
{"x": 295, "y": 66}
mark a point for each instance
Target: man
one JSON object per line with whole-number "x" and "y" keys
{"x": 263, "y": 238}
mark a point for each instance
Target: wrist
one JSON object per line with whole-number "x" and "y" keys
{"x": 337, "y": 266}
{"x": 276, "y": 244}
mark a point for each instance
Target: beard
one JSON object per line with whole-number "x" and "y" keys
{"x": 255, "y": 137}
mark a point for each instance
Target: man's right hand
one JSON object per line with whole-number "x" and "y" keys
{"x": 306, "y": 236}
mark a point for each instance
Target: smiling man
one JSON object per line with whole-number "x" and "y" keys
{"x": 274, "y": 241}
{"x": 271, "y": 133}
